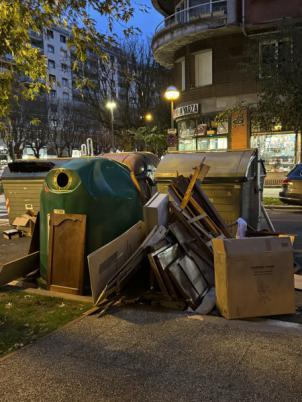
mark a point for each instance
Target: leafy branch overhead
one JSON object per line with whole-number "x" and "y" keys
{"x": 19, "y": 58}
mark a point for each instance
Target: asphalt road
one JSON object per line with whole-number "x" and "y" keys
{"x": 289, "y": 221}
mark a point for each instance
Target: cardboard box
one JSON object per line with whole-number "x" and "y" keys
{"x": 254, "y": 277}
{"x": 25, "y": 223}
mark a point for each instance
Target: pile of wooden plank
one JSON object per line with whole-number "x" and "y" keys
{"x": 184, "y": 268}
{"x": 179, "y": 254}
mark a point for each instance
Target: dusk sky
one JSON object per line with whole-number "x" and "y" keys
{"x": 147, "y": 22}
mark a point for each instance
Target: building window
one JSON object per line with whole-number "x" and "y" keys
{"x": 51, "y": 64}
{"x": 274, "y": 54}
{"x": 203, "y": 68}
{"x": 50, "y": 49}
{"x": 52, "y": 78}
{"x": 181, "y": 73}
{"x": 64, "y": 67}
{"x": 65, "y": 96}
{"x": 53, "y": 93}
{"x": 49, "y": 34}
{"x": 63, "y": 53}
{"x": 65, "y": 82}
{"x": 62, "y": 38}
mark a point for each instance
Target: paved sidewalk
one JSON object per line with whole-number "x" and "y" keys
{"x": 140, "y": 355}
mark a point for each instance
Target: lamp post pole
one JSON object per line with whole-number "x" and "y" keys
{"x": 172, "y": 109}
{"x": 111, "y": 105}
{"x": 112, "y": 130}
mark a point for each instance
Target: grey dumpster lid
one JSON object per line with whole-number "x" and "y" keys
{"x": 227, "y": 164}
{"x": 134, "y": 160}
{"x": 31, "y": 169}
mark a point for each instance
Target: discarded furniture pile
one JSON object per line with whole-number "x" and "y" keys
{"x": 175, "y": 247}
{"x": 178, "y": 250}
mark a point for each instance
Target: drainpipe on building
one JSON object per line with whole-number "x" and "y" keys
{"x": 243, "y": 19}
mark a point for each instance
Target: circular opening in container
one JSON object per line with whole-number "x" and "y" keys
{"x": 62, "y": 179}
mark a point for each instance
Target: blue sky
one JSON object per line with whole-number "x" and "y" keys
{"x": 147, "y": 22}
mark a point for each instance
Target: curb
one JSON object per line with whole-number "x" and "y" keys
{"x": 285, "y": 207}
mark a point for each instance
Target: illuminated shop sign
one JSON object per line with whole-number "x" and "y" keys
{"x": 186, "y": 110}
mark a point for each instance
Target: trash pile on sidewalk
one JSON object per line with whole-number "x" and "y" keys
{"x": 169, "y": 259}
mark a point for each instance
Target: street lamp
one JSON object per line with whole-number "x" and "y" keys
{"x": 111, "y": 105}
{"x": 171, "y": 95}
{"x": 148, "y": 117}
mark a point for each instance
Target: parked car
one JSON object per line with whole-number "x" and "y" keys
{"x": 292, "y": 186}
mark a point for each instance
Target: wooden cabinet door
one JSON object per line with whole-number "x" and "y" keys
{"x": 66, "y": 252}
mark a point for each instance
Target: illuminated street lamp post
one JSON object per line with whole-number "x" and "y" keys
{"x": 148, "y": 117}
{"x": 172, "y": 94}
{"x": 111, "y": 105}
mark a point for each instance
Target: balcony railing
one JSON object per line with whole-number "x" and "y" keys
{"x": 211, "y": 11}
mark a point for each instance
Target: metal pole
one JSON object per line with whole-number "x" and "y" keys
{"x": 112, "y": 131}
{"x": 172, "y": 109}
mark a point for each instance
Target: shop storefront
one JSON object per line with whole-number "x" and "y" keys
{"x": 279, "y": 150}
{"x": 198, "y": 132}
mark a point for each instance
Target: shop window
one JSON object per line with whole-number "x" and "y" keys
{"x": 274, "y": 54}
{"x": 203, "y": 68}
{"x": 187, "y": 145}
{"x": 212, "y": 144}
{"x": 186, "y": 128}
{"x": 277, "y": 150}
{"x": 181, "y": 73}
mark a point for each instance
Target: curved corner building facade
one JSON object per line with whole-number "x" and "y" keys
{"x": 206, "y": 42}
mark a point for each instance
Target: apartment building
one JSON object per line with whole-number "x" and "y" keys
{"x": 205, "y": 42}
{"x": 58, "y": 63}
{"x": 53, "y": 44}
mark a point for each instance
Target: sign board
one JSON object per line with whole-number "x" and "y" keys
{"x": 172, "y": 131}
{"x": 186, "y": 110}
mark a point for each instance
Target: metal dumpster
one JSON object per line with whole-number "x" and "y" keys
{"x": 234, "y": 182}
{"x": 143, "y": 166}
{"x": 22, "y": 182}
{"x": 99, "y": 188}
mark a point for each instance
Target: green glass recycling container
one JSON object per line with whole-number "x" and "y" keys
{"x": 101, "y": 189}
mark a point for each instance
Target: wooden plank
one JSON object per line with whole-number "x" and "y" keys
{"x": 158, "y": 276}
{"x": 181, "y": 183}
{"x": 66, "y": 251}
{"x": 19, "y": 268}
{"x": 197, "y": 218}
{"x": 199, "y": 172}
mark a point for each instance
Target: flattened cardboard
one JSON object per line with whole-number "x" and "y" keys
{"x": 105, "y": 262}
{"x": 156, "y": 211}
{"x": 254, "y": 277}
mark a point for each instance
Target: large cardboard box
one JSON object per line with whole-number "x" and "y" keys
{"x": 254, "y": 277}
{"x": 25, "y": 224}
